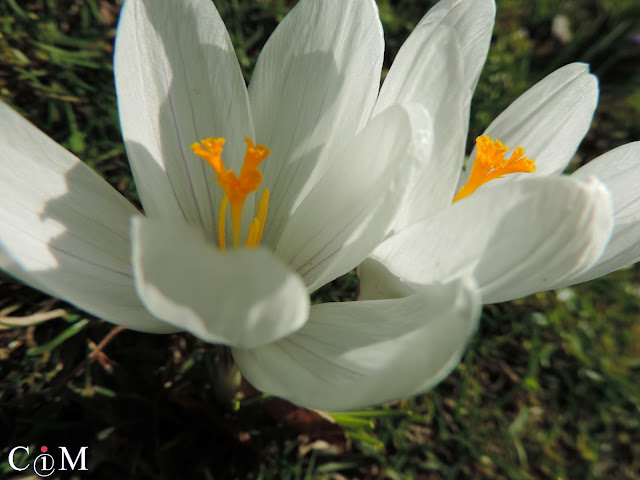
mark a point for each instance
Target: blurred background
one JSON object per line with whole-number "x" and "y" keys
{"x": 549, "y": 387}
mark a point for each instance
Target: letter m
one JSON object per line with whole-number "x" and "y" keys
{"x": 72, "y": 463}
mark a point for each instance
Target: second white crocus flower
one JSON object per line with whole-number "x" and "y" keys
{"x": 510, "y": 220}
{"x": 252, "y": 198}
{"x": 516, "y": 235}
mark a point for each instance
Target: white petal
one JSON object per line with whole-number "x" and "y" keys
{"x": 63, "y": 229}
{"x": 427, "y": 67}
{"x": 242, "y": 297}
{"x": 349, "y": 210}
{"x": 438, "y": 66}
{"x": 314, "y": 85}
{"x": 350, "y": 355}
{"x": 428, "y": 70}
{"x": 472, "y": 20}
{"x": 519, "y": 239}
{"x": 619, "y": 169}
{"x": 549, "y": 121}
{"x": 378, "y": 283}
{"x": 178, "y": 81}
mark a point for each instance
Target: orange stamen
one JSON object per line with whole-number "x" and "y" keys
{"x": 490, "y": 164}
{"x": 236, "y": 188}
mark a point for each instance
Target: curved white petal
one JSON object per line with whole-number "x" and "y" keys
{"x": 349, "y": 210}
{"x": 63, "y": 229}
{"x": 619, "y": 169}
{"x": 378, "y": 283}
{"x": 350, "y": 355}
{"x": 178, "y": 81}
{"x": 242, "y": 297}
{"x": 428, "y": 70}
{"x": 472, "y": 21}
{"x": 515, "y": 240}
{"x": 314, "y": 86}
{"x": 549, "y": 121}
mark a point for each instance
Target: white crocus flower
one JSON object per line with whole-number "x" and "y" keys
{"x": 515, "y": 233}
{"x": 309, "y": 200}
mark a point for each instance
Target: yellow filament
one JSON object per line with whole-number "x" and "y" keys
{"x": 222, "y": 218}
{"x": 257, "y": 226}
{"x": 237, "y": 188}
{"x": 491, "y": 164}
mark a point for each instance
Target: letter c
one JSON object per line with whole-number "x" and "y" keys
{"x": 12, "y": 453}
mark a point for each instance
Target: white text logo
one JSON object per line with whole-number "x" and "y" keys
{"x": 45, "y": 464}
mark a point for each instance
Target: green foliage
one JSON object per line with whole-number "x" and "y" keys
{"x": 549, "y": 387}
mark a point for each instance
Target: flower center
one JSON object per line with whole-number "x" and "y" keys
{"x": 491, "y": 164}
{"x": 236, "y": 188}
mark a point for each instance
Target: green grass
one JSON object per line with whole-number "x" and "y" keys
{"x": 549, "y": 387}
